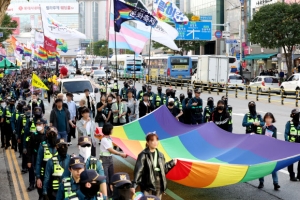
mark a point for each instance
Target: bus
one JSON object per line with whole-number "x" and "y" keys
{"x": 101, "y": 63}
{"x": 128, "y": 65}
{"x": 171, "y": 66}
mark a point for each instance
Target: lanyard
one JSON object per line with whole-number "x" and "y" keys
{"x": 155, "y": 162}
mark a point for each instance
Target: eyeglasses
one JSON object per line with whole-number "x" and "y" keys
{"x": 86, "y": 145}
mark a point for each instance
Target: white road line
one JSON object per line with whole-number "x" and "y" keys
{"x": 284, "y": 171}
{"x": 279, "y": 133}
{"x": 238, "y": 114}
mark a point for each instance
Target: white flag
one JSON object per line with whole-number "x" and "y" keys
{"x": 55, "y": 29}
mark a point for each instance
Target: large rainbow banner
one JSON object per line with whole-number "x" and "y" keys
{"x": 207, "y": 156}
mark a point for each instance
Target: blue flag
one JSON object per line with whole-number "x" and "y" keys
{"x": 124, "y": 12}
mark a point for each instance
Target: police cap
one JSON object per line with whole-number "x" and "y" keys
{"x": 90, "y": 175}
{"x": 40, "y": 121}
{"x": 52, "y": 129}
{"x": 120, "y": 179}
{"x": 197, "y": 90}
{"x": 84, "y": 140}
{"x": 77, "y": 163}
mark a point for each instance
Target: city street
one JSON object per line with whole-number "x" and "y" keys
{"x": 175, "y": 191}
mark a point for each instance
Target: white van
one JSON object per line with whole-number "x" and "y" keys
{"x": 76, "y": 86}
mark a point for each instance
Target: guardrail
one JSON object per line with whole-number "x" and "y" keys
{"x": 259, "y": 92}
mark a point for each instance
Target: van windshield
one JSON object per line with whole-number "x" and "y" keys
{"x": 77, "y": 86}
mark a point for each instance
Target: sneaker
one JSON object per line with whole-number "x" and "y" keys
{"x": 293, "y": 179}
{"x": 276, "y": 186}
{"x": 260, "y": 186}
{"x": 31, "y": 187}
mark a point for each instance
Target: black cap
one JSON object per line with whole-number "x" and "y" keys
{"x": 149, "y": 197}
{"x": 76, "y": 162}
{"x": 119, "y": 179}
{"x": 40, "y": 121}
{"x": 61, "y": 141}
{"x": 251, "y": 103}
{"x": 84, "y": 140}
{"x": 295, "y": 111}
{"x": 149, "y": 87}
{"x": 197, "y": 90}
{"x": 52, "y": 129}
{"x": 90, "y": 175}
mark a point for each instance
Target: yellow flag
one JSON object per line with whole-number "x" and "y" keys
{"x": 36, "y": 82}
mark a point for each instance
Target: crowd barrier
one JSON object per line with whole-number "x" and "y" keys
{"x": 258, "y": 93}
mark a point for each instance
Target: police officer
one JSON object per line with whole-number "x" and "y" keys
{"x": 150, "y": 93}
{"x": 6, "y": 117}
{"x": 116, "y": 87}
{"x": 2, "y": 106}
{"x": 185, "y": 107}
{"x": 229, "y": 110}
{"x": 14, "y": 120}
{"x": 292, "y": 134}
{"x": 12, "y": 93}
{"x": 195, "y": 104}
{"x": 46, "y": 151}
{"x": 158, "y": 99}
{"x": 208, "y": 110}
{"x": 124, "y": 90}
{"x": 54, "y": 170}
{"x": 141, "y": 93}
{"x": 85, "y": 144}
{"x": 252, "y": 120}
{"x": 166, "y": 97}
{"x": 31, "y": 145}
{"x": 177, "y": 103}
{"x": 70, "y": 185}
{"x": 90, "y": 182}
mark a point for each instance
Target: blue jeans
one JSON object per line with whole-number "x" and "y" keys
{"x": 274, "y": 177}
{"x": 100, "y": 124}
{"x": 62, "y": 134}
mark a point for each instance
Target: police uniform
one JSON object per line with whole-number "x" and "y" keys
{"x": 229, "y": 110}
{"x": 54, "y": 170}
{"x": 208, "y": 110}
{"x": 7, "y": 115}
{"x": 45, "y": 152}
{"x": 158, "y": 100}
{"x": 177, "y": 103}
{"x": 248, "y": 123}
{"x": 140, "y": 95}
{"x": 68, "y": 187}
{"x": 196, "y": 110}
{"x": 1, "y": 125}
{"x": 292, "y": 134}
{"x": 21, "y": 125}
{"x": 123, "y": 93}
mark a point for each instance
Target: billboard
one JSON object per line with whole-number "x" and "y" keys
{"x": 34, "y": 8}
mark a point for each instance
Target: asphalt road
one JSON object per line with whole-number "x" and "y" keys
{"x": 288, "y": 190}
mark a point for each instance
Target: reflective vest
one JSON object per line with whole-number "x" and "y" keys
{"x": 32, "y": 128}
{"x": 8, "y": 115}
{"x": 57, "y": 173}
{"x": 157, "y": 101}
{"x": 124, "y": 93}
{"x": 93, "y": 163}
{"x": 141, "y": 95}
{"x": 38, "y": 102}
{"x": 24, "y": 121}
{"x": 1, "y": 75}
{"x": 229, "y": 108}
{"x": 196, "y": 110}
{"x": 164, "y": 100}
{"x": 178, "y": 104}
{"x": 207, "y": 113}
{"x": 68, "y": 192}
{"x": 294, "y": 133}
{"x": 1, "y": 111}
{"x": 76, "y": 198}
{"x": 151, "y": 97}
{"x": 258, "y": 128}
{"x": 47, "y": 155}
{"x": 120, "y": 111}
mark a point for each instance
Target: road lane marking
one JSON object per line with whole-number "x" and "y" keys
{"x": 13, "y": 175}
{"x": 284, "y": 171}
{"x": 20, "y": 177}
{"x": 238, "y": 114}
{"x": 169, "y": 192}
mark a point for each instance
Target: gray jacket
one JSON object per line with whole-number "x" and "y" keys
{"x": 53, "y": 118}
{"x": 122, "y": 108}
{"x": 82, "y": 131}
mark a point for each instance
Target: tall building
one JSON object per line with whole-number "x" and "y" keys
{"x": 27, "y": 14}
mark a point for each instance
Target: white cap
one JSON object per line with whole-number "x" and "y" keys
{"x": 171, "y": 99}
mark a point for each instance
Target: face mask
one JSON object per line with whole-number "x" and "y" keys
{"x": 181, "y": 99}
{"x": 173, "y": 95}
{"x": 171, "y": 104}
{"x": 220, "y": 107}
{"x": 126, "y": 85}
{"x": 190, "y": 95}
{"x": 39, "y": 128}
{"x": 27, "y": 114}
{"x": 38, "y": 115}
{"x": 210, "y": 103}
{"x": 252, "y": 110}
{"x": 62, "y": 151}
{"x": 85, "y": 152}
{"x": 90, "y": 192}
{"x": 19, "y": 108}
{"x": 144, "y": 89}
{"x": 168, "y": 93}
{"x": 296, "y": 119}
{"x": 11, "y": 105}
{"x": 52, "y": 140}
{"x": 3, "y": 105}
{"x": 159, "y": 90}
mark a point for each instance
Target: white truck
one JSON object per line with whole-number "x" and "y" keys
{"x": 213, "y": 69}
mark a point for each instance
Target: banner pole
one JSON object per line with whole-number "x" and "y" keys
{"x": 108, "y": 28}
{"x": 150, "y": 47}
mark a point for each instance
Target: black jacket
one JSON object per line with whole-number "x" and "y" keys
{"x": 144, "y": 110}
{"x": 221, "y": 119}
{"x": 144, "y": 171}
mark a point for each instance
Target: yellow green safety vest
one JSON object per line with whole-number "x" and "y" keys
{"x": 157, "y": 100}
{"x": 1, "y": 111}
{"x": 57, "y": 173}
{"x": 38, "y": 102}
{"x": 47, "y": 155}
{"x": 32, "y": 128}
{"x": 141, "y": 96}
{"x": 121, "y": 111}
{"x": 68, "y": 192}
{"x": 207, "y": 113}
{"x": 164, "y": 100}
{"x": 250, "y": 119}
{"x": 93, "y": 163}
{"x": 294, "y": 133}
{"x": 178, "y": 104}
{"x": 8, "y": 115}
{"x": 230, "y": 113}
{"x": 1, "y": 75}
{"x": 24, "y": 121}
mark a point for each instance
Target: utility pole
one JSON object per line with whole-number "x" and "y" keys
{"x": 241, "y": 36}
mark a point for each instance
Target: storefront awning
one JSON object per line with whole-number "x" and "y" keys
{"x": 259, "y": 56}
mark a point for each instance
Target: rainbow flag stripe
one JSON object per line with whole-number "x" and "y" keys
{"x": 27, "y": 52}
{"x": 207, "y": 155}
{"x": 42, "y": 57}
{"x": 42, "y": 51}
{"x": 51, "y": 56}
{"x": 59, "y": 41}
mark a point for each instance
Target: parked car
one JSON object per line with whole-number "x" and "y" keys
{"x": 97, "y": 75}
{"x": 263, "y": 83}
{"x": 86, "y": 70}
{"x": 291, "y": 84}
{"x": 235, "y": 79}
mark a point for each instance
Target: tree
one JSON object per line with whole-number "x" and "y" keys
{"x": 99, "y": 48}
{"x": 184, "y": 45}
{"x": 3, "y": 7}
{"x": 7, "y": 22}
{"x": 277, "y": 25}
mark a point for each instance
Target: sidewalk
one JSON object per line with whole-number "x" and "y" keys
{"x": 6, "y": 184}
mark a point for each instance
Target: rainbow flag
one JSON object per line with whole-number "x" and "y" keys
{"x": 27, "y": 52}
{"x": 42, "y": 57}
{"x": 42, "y": 51}
{"x": 59, "y": 41}
{"x": 51, "y": 56}
{"x": 207, "y": 155}
{"x": 63, "y": 47}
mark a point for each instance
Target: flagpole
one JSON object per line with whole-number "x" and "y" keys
{"x": 43, "y": 32}
{"x": 150, "y": 49}
{"x": 108, "y": 28}
{"x": 134, "y": 69}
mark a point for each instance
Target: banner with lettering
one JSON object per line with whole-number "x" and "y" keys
{"x": 49, "y": 45}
